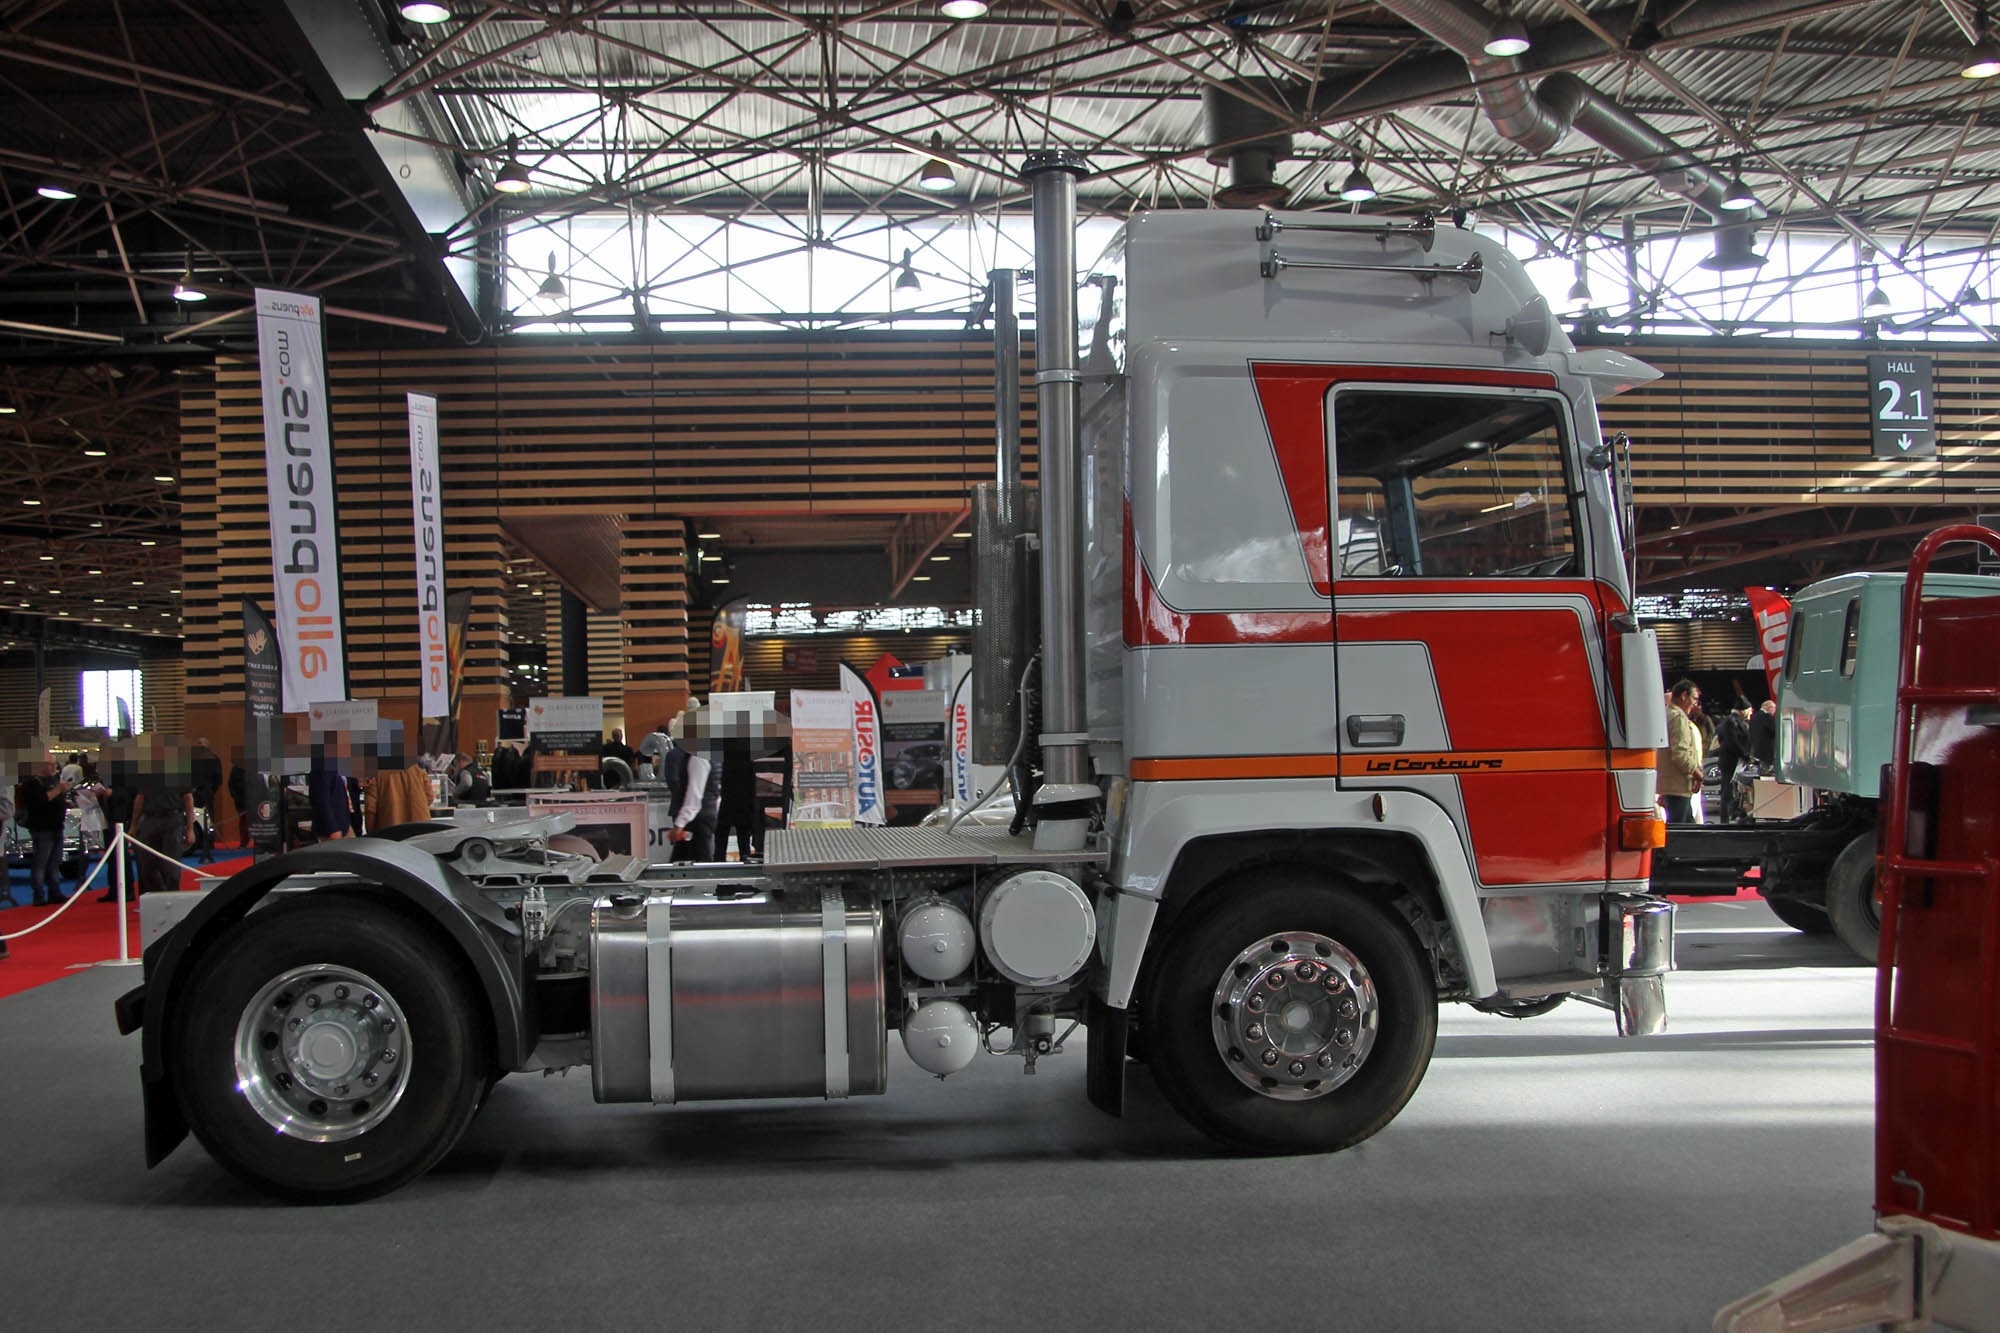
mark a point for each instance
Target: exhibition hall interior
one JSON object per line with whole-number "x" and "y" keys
{"x": 1022, "y": 660}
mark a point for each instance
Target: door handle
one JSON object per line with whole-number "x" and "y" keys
{"x": 1375, "y": 729}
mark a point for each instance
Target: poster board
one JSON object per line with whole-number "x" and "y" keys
{"x": 614, "y": 825}
{"x": 568, "y": 724}
{"x": 822, "y": 760}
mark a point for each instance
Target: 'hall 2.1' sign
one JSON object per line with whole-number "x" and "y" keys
{"x": 1900, "y": 409}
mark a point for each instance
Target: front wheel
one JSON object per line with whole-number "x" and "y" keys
{"x": 331, "y": 1049}
{"x": 1294, "y": 1015}
{"x": 1850, "y": 897}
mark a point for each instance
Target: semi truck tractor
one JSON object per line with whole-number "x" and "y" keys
{"x": 1836, "y": 706}
{"x": 1311, "y": 661}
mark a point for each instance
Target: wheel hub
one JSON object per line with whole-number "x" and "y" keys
{"x": 1295, "y": 1016}
{"x": 322, "y": 1053}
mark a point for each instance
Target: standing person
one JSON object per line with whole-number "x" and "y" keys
{"x": 1678, "y": 763}
{"x": 90, "y": 815}
{"x": 695, "y": 795}
{"x": 1732, "y": 747}
{"x": 738, "y": 812}
{"x": 44, "y": 805}
{"x": 205, "y": 771}
{"x": 616, "y": 748}
{"x": 1764, "y": 737}
{"x": 163, "y": 819}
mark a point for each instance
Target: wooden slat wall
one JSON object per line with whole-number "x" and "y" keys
{"x": 654, "y": 433}
{"x": 163, "y": 694}
{"x": 869, "y": 423}
{"x": 1763, "y": 425}
{"x": 653, "y": 587}
{"x": 18, "y": 701}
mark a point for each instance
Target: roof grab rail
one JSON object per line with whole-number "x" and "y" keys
{"x": 1470, "y": 272}
{"x": 1423, "y": 231}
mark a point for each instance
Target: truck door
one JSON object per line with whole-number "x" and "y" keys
{"x": 1469, "y": 657}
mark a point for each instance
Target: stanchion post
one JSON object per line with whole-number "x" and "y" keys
{"x": 118, "y": 879}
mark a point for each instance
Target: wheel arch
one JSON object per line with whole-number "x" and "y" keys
{"x": 1379, "y": 862}
{"x": 431, "y": 892}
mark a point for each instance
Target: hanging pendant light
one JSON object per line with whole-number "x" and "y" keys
{"x": 512, "y": 177}
{"x": 1509, "y": 36}
{"x": 936, "y": 174}
{"x": 1357, "y": 188}
{"x": 906, "y": 276}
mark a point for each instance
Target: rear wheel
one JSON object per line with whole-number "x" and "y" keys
{"x": 1850, "y": 897}
{"x": 1295, "y": 1015}
{"x": 1805, "y": 918}
{"x": 335, "y": 1051}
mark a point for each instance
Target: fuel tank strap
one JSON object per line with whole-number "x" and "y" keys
{"x": 833, "y": 974}
{"x": 660, "y": 997}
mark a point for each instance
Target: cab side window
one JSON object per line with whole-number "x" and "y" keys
{"x": 1451, "y": 485}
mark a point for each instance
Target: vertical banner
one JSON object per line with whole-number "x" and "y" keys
{"x": 439, "y": 734}
{"x": 298, "y": 478}
{"x": 1772, "y": 613}
{"x": 262, "y": 727}
{"x": 457, "y": 624}
{"x": 822, "y": 759}
{"x": 865, "y": 714}
{"x": 959, "y": 786}
{"x": 426, "y": 507}
{"x": 725, "y": 651}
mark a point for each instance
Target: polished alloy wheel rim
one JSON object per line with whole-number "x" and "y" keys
{"x": 322, "y": 1053}
{"x": 1295, "y": 1016}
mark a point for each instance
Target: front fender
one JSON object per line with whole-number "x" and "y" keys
{"x": 483, "y": 935}
{"x": 1162, "y": 818}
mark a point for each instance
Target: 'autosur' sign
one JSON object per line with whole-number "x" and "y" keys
{"x": 1901, "y": 412}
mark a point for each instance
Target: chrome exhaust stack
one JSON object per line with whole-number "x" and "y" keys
{"x": 1067, "y": 797}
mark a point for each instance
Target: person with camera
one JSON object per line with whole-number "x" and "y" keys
{"x": 44, "y": 803}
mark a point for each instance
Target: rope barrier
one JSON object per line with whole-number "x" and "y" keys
{"x": 119, "y": 840}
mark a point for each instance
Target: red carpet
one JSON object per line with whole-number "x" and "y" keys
{"x": 84, "y": 934}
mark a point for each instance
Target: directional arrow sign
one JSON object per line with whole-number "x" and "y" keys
{"x": 1901, "y": 408}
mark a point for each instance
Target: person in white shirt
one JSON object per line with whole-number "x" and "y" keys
{"x": 695, "y": 793}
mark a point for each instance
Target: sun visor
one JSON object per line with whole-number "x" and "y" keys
{"x": 1610, "y": 373}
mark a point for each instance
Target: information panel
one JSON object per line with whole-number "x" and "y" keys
{"x": 1900, "y": 407}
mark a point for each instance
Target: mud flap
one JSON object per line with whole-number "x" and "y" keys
{"x": 1104, "y": 1058}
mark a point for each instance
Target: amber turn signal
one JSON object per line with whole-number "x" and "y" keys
{"x": 1639, "y": 833}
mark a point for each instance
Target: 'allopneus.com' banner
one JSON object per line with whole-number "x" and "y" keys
{"x": 427, "y": 506}
{"x": 298, "y": 476}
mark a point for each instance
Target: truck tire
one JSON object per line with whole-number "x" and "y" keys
{"x": 332, "y": 1050}
{"x": 1850, "y": 897}
{"x": 1294, "y": 1015}
{"x": 1806, "y": 918}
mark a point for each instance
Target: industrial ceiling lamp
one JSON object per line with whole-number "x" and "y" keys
{"x": 184, "y": 289}
{"x": 1357, "y": 189}
{"x": 424, "y": 11}
{"x": 906, "y": 276}
{"x": 1737, "y": 198}
{"x": 55, "y": 190}
{"x": 1579, "y": 291}
{"x": 964, "y": 9}
{"x": 552, "y": 286}
{"x": 1877, "y": 300}
{"x": 1509, "y": 36}
{"x": 936, "y": 174}
{"x": 512, "y": 177}
{"x": 1983, "y": 60}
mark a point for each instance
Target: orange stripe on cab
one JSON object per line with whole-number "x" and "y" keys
{"x": 1386, "y": 764}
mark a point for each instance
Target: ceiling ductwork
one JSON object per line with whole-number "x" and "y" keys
{"x": 1466, "y": 27}
{"x": 1627, "y": 136}
{"x": 1251, "y": 139}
